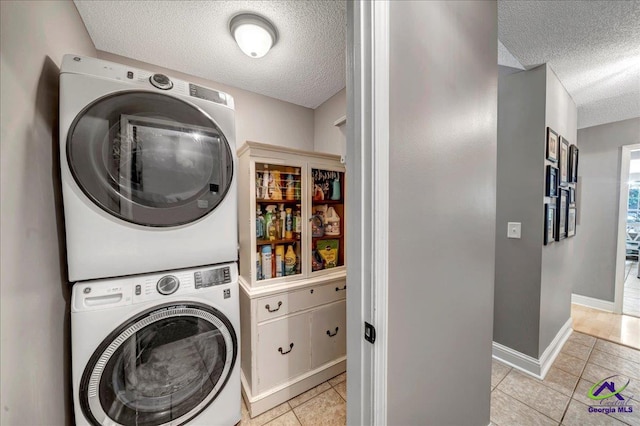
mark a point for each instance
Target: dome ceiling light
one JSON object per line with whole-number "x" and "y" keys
{"x": 254, "y": 34}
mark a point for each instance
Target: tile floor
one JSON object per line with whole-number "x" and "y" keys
{"x": 622, "y": 329}
{"x": 561, "y": 398}
{"x": 516, "y": 398}
{"x": 631, "y": 300}
{"x": 326, "y": 404}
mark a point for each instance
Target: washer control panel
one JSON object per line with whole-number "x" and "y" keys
{"x": 161, "y": 81}
{"x": 110, "y": 293}
{"x": 211, "y": 277}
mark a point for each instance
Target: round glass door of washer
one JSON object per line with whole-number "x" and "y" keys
{"x": 164, "y": 366}
{"x": 149, "y": 158}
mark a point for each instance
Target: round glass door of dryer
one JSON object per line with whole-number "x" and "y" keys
{"x": 164, "y": 366}
{"x": 149, "y": 158}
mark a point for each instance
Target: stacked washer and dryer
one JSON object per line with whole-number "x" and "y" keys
{"x": 150, "y": 204}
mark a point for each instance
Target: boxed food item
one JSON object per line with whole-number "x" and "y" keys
{"x": 328, "y": 250}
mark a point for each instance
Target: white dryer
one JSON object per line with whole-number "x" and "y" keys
{"x": 157, "y": 349}
{"x": 147, "y": 169}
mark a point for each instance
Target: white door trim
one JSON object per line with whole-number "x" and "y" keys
{"x": 621, "y": 254}
{"x": 367, "y": 215}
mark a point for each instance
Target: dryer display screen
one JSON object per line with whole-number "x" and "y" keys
{"x": 212, "y": 277}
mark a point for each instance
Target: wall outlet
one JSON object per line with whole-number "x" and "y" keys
{"x": 513, "y": 229}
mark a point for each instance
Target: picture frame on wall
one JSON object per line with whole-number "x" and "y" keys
{"x": 561, "y": 214}
{"x": 572, "y": 197}
{"x": 571, "y": 222}
{"x": 551, "y": 187}
{"x": 549, "y": 223}
{"x": 573, "y": 163}
{"x": 552, "y": 145}
{"x": 564, "y": 162}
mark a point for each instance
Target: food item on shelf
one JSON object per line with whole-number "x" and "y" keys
{"x": 279, "y": 260}
{"x": 266, "y": 262}
{"x": 288, "y": 230}
{"x": 317, "y": 263}
{"x": 275, "y": 193}
{"x": 331, "y": 223}
{"x": 328, "y": 249}
{"x": 290, "y": 261}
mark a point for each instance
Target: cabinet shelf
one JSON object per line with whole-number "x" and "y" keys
{"x": 320, "y": 202}
{"x": 263, "y": 201}
{"x": 328, "y": 237}
{"x": 276, "y": 242}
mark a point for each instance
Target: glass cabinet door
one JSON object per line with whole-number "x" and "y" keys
{"x": 278, "y": 219}
{"x": 327, "y": 219}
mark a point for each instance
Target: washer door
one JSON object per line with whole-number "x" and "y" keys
{"x": 165, "y": 365}
{"x": 149, "y": 158}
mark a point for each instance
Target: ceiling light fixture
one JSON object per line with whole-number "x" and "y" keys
{"x": 254, "y": 34}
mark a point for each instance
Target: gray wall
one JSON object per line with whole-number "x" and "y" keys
{"x": 328, "y": 137}
{"x": 599, "y": 174}
{"x": 558, "y": 260}
{"x": 35, "y": 375}
{"x": 259, "y": 118}
{"x": 442, "y": 162}
{"x": 520, "y": 191}
{"x": 533, "y": 281}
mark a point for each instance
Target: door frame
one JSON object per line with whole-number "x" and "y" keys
{"x": 368, "y": 212}
{"x": 621, "y": 255}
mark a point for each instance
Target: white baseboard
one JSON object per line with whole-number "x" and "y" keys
{"x": 590, "y": 302}
{"x": 537, "y": 368}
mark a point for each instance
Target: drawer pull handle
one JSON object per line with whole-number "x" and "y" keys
{"x": 268, "y": 308}
{"x": 331, "y": 335}
{"x": 284, "y": 353}
{"x": 343, "y": 288}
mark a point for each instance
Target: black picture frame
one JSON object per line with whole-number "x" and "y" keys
{"x": 551, "y": 187}
{"x": 564, "y": 162}
{"x": 552, "y": 145}
{"x": 571, "y": 222}
{"x": 549, "y": 223}
{"x": 573, "y": 163}
{"x": 572, "y": 196}
{"x": 561, "y": 214}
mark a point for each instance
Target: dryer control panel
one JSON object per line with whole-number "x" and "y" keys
{"x": 111, "y": 293}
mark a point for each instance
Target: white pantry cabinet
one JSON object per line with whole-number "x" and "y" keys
{"x": 292, "y": 272}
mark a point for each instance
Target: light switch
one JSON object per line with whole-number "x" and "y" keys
{"x": 513, "y": 229}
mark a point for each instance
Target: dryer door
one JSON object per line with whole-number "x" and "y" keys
{"x": 165, "y": 365}
{"x": 149, "y": 158}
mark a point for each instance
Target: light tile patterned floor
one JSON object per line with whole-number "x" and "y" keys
{"x": 622, "y": 329}
{"x": 516, "y": 398}
{"x": 561, "y": 398}
{"x": 631, "y": 299}
{"x": 326, "y": 404}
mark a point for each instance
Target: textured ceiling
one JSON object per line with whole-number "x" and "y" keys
{"x": 593, "y": 47}
{"x": 306, "y": 66}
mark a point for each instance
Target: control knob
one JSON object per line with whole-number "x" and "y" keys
{"x": 161, "y": 81}
{"x": 167, "y": 285}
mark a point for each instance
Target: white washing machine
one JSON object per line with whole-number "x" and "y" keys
{"x": 147, "y": 169}
{"x": 157, "y": 349}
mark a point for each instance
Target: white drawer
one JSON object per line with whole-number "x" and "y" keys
{"x": 328, "y": 333}
{"x": 284, "y": 351}
{"x": 273, "y": 306}
{"x": 317, "y": 295}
